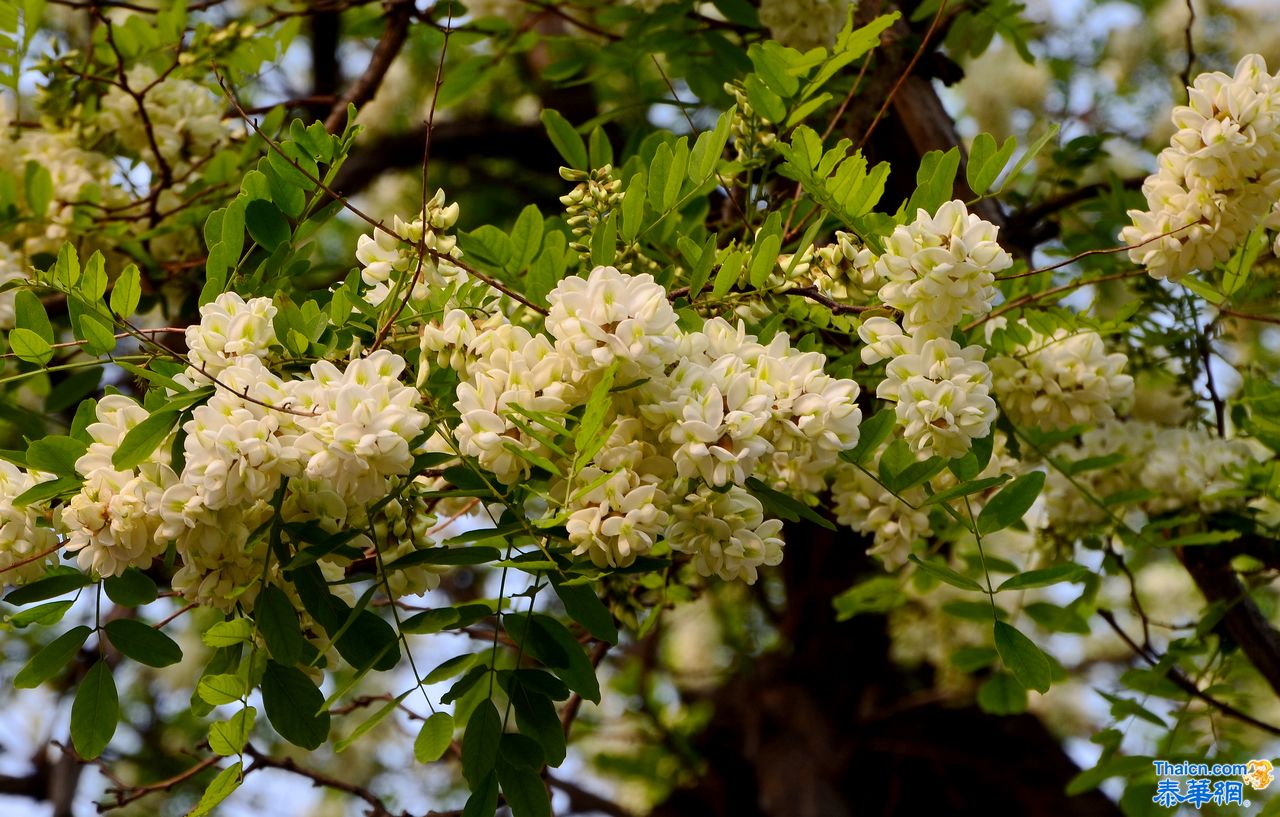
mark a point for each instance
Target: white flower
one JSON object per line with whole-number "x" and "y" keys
{"x": 390, "y": 265}
{"x": 942, "y": 395}
{"x": 865, "y": 505}
{"x": 24, "y": 533}
{"x": 611, "y": 316}
{"x": 940, "y": 268}
{"x": 1055, "y": 382}
{"x": 805, "y": 24}
{"x": 185, "y": 118}
{"x": 1218, "y": 179}
{"x": 229, "y": 327}
{"x": 726, "y": 533}
{"x": 618, "y": 519}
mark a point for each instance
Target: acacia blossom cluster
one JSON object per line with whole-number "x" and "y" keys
{"x": 805, "y": 24}
{"x": 936, "y": 270}
{"x": 1160, "y": 469}
{"x": 27, "y": 541}
{"x": 390, "y": 265}
{"x": 339, "y": 439}
{"x": 1218, "y": 180}
{"x": 183, "y": 119}
{"x": 692, "y": 415}
{"x": 897, "y": 521}
{"x": 1060, "y": 380}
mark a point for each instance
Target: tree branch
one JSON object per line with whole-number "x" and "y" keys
{"x": 393, "y": 37}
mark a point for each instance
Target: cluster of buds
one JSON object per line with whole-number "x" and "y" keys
{"x": 598, "y": 194}
{"x": 753, "y": 134}
{"x": 845, "y": 269}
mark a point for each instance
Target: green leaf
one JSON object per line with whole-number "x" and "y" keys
{"x": 566, "y": 139}
{"x": 56, "y": 455}
{"x": 267, "y": 225}
{"x": 233, "y": 227}
{"x": 935, "y": 181}
{"x": 1011, "y": 504}
{"x": 144, "y": 438}
{"x": 50, "y": 660}
{"x": 871, "y": 435}
{"x": 229, "y": 737}
{"x": 42, "y": 491}
{"x": 523, "y": 787}
{"x": 976, "y": 486}
{"x": 728, "y": 274}
{"x": 47, "y": 588}
{"x": 133, "y": 588}
{"x": 221, "y": 689}
{"x": 536, "y": 717}
{"x": 1033, "y": 149}
{"x": 143, "y": 643}
{"x": 1044, "y": 577}
{"x": 986, "y": 162}
{"x": 589, "y": 437}
{"x": 95, "y": 712}
{"x": 1023, "y": 658}
{"x": 972, "y": 659}
{"x": 598, "y": 147}
{"x": 763, "y": 259}
{"x": 474, "y": 555}
{"x": 29, "y": 346}
{"x": 483, "y": 801}
{"x": 879, "y": 594}
{"x": 785, "y": 505}
{"x": 294, "y": 706}
{"x": 44, "y": 614}
{"x": 946, "y": 574}
{"x": 480, "y": 742}
{"x": 434, "y": 738}
{"x": 451, "y": 667}
{"x": 228, "y": 633}
{"x": 633, "y": 207}
{"x": 219, "y": 789}
{"x": 93, "y": 282}
{"x": 584, "y": 606}
{"x": 1001, "y": 694}
{"x": 526, "y": 238}
{"x": 38, "y": 187}
{"x": 29, "y": 313}
{"x": 278, "y": 621}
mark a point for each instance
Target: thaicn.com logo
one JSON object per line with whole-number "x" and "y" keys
{"x": 1198, "y": 784}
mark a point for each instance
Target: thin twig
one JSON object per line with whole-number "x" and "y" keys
{"x": 888, "y": 100}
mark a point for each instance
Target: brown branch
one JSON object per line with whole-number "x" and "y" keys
{"x": 903, "y": 77}
{"x": 582, "y": 801}
{"x": 377, "y": 808}
{"x": 1247, "y": 317}
{"x": 1183, "y": 682}
{"x": 393, "y": 37}
{"x": 1211, "y": 569}
{"x": 126, "y": 796}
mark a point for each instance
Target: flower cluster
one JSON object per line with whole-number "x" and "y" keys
{"x": 338, "y": 440}
{"x": 936, "y": 270}
{"x": 691, "y": 417}
{"x": 597, "y": 194}
{"x": 1060, "y": 380}
{"x": 391, "y": 265}
{"x": 180, "y": 119}
{"x": 1218, "y": 180}
{"x": 805, "y": 24}
{"x": 1147, "y": 469}
{"x": 27, "y": 543}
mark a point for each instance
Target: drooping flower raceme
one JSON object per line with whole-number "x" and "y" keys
{"x": 942, "y": 394}
{"x": 394, "y": 266}
{"x": 940, "y": 268}
{"x": 1219, "y": 178}
{"x": 1058, "y": 381}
